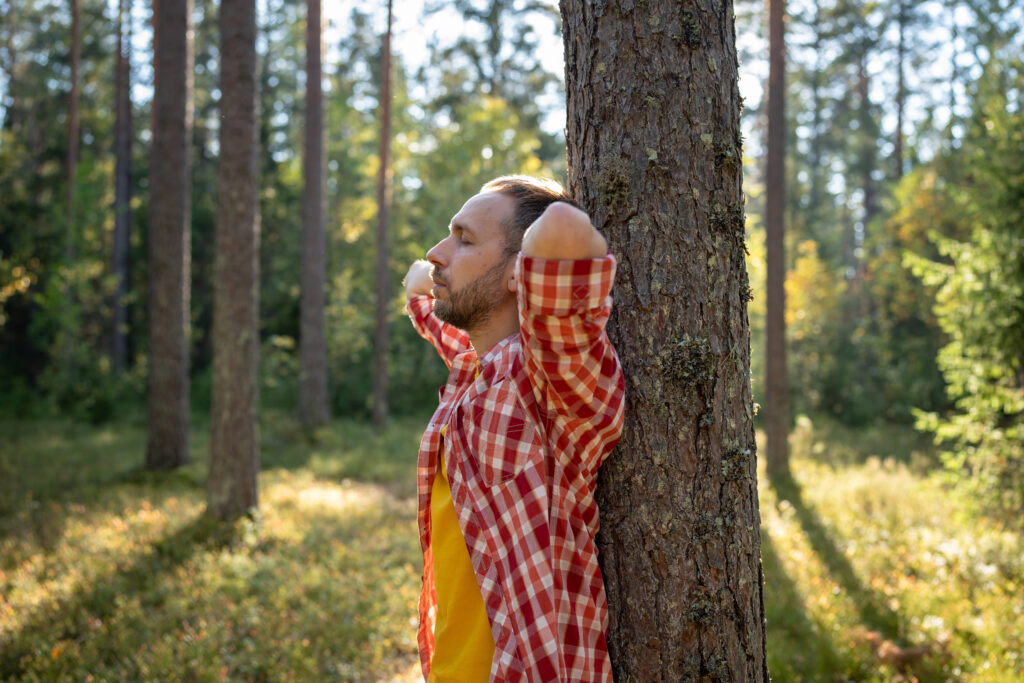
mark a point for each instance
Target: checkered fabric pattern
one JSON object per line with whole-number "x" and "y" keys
{"x": 527, "y": 427}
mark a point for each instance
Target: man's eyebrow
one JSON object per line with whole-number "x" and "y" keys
{"x": 453, "y": 226}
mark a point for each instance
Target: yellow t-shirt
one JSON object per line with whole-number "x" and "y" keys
{"x": 463, "y": 644}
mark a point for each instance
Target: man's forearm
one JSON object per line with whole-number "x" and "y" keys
{"x": 563, "y": 232}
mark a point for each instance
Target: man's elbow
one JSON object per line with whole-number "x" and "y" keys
{"x": 563, "y": 232}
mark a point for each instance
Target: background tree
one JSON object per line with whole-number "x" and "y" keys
{"x": 977, "y": 270}
{"x": 384, "y": 287}
{"x": 70, "y": 171}
{"x": 776, "y": 384}
{"x": 313, "y": 410}
{"x": 169, "y": 236}
{"x": 234, "y": 444}
{"x": 122, "y": 189}
{"x": 679, "y": 542}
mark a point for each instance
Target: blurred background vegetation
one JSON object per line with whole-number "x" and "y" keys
{"x": 905, "y": 323}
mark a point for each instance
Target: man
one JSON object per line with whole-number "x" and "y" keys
{"x": 515, "y": 299}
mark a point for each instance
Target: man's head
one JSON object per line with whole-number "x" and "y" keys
{"x": 531, "y": 196}
{"x": 473, "y": 265}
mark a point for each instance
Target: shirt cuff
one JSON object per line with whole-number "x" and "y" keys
{"x": 420, "y": 307}
{"x": 559, "y": 288}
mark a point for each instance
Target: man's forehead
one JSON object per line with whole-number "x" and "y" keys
{"x": 483, "y": 212}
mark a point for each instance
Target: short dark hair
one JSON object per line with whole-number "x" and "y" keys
{"x": 531, "y": 196}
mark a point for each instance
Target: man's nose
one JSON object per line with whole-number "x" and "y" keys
{"x": 438, "y": 254}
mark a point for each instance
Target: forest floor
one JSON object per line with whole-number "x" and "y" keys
{"x": 874, "y": 570}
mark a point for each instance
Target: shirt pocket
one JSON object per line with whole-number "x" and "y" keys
{"x": 500, "y": 435}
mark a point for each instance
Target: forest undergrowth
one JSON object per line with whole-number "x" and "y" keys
{"x": 874, "y": 570}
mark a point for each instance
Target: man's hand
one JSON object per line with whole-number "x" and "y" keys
{"x": 417, "y": 281}
{"x": 563, "y": 232}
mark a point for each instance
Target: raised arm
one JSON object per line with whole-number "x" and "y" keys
{"x": 565, "y": 275}
{"x": 563, "y": 232}
{"x": 448, "y": 340}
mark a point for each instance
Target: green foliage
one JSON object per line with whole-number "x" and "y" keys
{"x": 979, "y": 277}
{"x": 54, "y": 314}
{"x": 866, "y": 350}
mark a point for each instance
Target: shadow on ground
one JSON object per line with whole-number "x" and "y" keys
{"x": 99, "y": 598}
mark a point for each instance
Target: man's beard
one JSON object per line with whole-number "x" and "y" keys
{"x": 471, "y": 306}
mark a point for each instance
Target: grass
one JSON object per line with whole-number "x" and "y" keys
{"x": 873, "y": 570}
{"x": 112, "y": 573}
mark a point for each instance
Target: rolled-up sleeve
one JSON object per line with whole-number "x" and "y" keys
{"x": 449, "y": 341}
{"x": 573, "y": 368}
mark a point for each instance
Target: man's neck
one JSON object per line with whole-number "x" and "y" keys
{"x": 501, "y": 324}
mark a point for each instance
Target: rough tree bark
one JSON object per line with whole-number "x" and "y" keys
{"x": 170, "y": 235}
{"x": 380, "y": 375}
{"x": 234, "y": 442}
{"x": 122, "y": 189}
{"x": 776, "y": 382}
{"x": 654, "y": 155}
{"x": 313, "y": 411}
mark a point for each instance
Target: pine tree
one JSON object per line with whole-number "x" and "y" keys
{"x": 169, "y": 236}
{"x": 234, "y": 439}
{"x": 380, "y": 383}
{"x": 776, "y": 382}
{"x": 122, "y": 189}
{"x": 313, "y": 410}
{"x": 679, "y": 541}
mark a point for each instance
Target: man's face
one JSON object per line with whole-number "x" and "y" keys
{"x": 471, "y": 269}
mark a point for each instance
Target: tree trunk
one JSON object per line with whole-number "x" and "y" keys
{"x": 380, "y": 375}
{"x": 654, "y": 155}
{"x": 868, "y": 154}
{"x": 70, "y": 170}
{"x": 901, "y": 88}
{"x": 954, "y": 70}
{"x": 234, "y": 442}
{"x": 313, "y": 410}
{"x": 12, "y": 110}
{"x": 170, "y": 235}
{"x": 776, "y": 382}
{"x": 815, "y": 154}
{"x": 122, "y": 190}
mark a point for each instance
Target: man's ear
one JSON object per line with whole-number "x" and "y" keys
{"x": 510, "y": 277}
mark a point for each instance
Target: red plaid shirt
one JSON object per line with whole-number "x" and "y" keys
{"x": 525, "y": 436}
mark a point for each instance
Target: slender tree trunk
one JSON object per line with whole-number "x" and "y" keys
{"x": 776, "y": 382}
{"x": 234, "y": 439}
{"x": 815, "y": 191}
{"x": 679, "y": 541}
{"x": 170, "y": 235}
{"x": 380, "y": 376}
{"x": 71, "y": 161}
{"x": 954, "y": 68}
{"x": 70, "y": 170}
{"x": 12, "y": 110}
{"x": 122, "y": 190}
{"x": 901, "y": 88}
{"x": 313, "y": 411}
{"x": 868, "y": 153}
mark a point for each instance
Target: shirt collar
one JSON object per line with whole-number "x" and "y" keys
{"x": 495, "y": 362}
